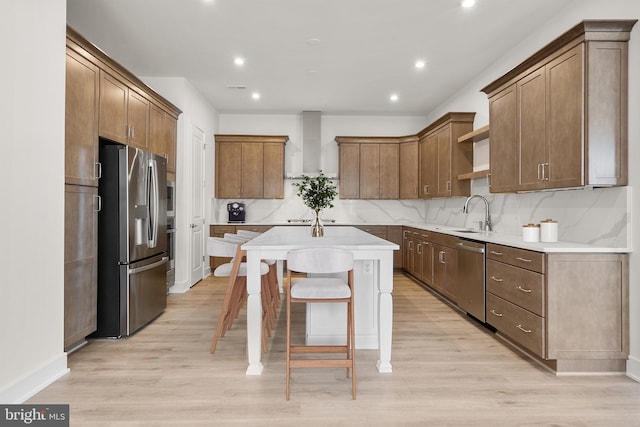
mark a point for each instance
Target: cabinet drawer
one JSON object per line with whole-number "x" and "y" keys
{"x": 522, "y": 326}
{"x": 219, "y": 230}
{"x": 517, "y": 285}
{"x": 376, "y": 230}
{"x": 441, "y": 238}
{"x": 255, "y": 228}
{"x": 519, "y": 257}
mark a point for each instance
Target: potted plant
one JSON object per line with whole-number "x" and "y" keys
{"x": 317, "y": 193}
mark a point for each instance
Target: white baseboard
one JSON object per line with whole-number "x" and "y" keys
{"x": 36, "y": 381}
{"x": 633, "y": 368}
{"x": 179, "y": 288}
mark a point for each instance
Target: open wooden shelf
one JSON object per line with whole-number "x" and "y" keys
{"x": 476, "y": 135}
{"x": 473, "y": 175}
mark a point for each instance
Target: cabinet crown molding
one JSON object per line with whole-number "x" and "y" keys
{"x": 251, "y": 138}
{"x": 375, "y": 139}
{"x": 587, "y": 30}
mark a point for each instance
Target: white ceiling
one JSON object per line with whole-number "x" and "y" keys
{"x": 366, "y": 49}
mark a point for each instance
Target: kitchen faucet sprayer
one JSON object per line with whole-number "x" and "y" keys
{"x": 488, "y": 225}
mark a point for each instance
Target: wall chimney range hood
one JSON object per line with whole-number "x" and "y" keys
{"x": 311, "y": 143}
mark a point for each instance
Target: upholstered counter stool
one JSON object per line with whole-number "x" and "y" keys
{"x": 321, "y": 290}
{"x": 236, "y": 291}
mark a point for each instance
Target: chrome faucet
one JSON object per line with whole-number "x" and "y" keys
{"x": 487, "y": 217}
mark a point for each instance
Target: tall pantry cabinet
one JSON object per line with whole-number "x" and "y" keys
{"x": 102, "y": 100}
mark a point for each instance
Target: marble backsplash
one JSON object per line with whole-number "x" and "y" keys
{"x": 598, "y": 217}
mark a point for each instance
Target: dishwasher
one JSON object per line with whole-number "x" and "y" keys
{"x": 471, "y": 278}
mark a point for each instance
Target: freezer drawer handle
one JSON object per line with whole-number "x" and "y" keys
{"x": 150, "y": 266}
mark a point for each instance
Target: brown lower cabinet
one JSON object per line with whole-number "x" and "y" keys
{"x": 80, "y": 263}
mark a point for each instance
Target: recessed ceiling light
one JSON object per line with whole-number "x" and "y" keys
{"x": 393, "y": 97}
{"x": 420, "y": 64}
{"x": 238, "y": 61}
{"x": 467, "y": 3}
{"x": 255, "y": 95}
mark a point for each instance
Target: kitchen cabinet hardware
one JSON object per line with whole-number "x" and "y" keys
{"x": 521, "y": 289}
{"x": 496, "y": 279}
{"x": 495, "y": 313}
{"x": 496, "y": 253}
{"x": 527, "y": 331}
{"x": 98, "y": 167}
{"x": 523, "y": 259}
{"x": 98, "y": 202}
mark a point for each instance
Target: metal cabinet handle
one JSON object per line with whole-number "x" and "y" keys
{"x": 419, "y": 248}
{"x": 494, "y": 278}
{"x": 425, "y": 189}
{"x": 99, "y": 200}
{"x": 539, "y": 174}
{"x": 544, "y": 172}
{"x": 495, "y": 313}
{"x": 489, "y": 180}
{"x": 496, "y": 253}
{"x": 448, "y": 185}
{"x": 526, "y": 331}
{"x": 410, "y": 245}
{"x": 527, "y": 291}
{"x": 441, "y": 257}
{"x": 99, "y": 168}
{"x": 523, "y": 259}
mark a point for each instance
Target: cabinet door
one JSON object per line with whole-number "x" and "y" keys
{"x": 113, "y": 108}
{"x": 429, "y": 165}
{"x": 389, "y": 176}
{"x": 80, "y": 263}
{"x": 369, "y": 171}
{"x": 228, "y": 167}
{"x": 349, "y": 184}
{"x": 138, "y": 120}
{"x": 252, "y": 170}
{"x": 445, "y": 271}
{"x": 503, "y": 141}
{"x": 444, "y": 162}
{"x": 565, "y": 83}
{"x": 426, "y": 259}
{"x": 409, "y": 167}
{"x": 81, "y": 121}
{"x": 532, "y": 126}
{"x": 273, "y": 171}
{"x": 170, "y": 131}
{"x": 156, "y": 143}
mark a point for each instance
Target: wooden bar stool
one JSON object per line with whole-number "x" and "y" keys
{"x": 321, "y": 290}
{"x": 235, "y": 294}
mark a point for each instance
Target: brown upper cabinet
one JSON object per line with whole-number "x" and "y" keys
{"x": 162, "y": 135}
{"x": 559, "y": 119}
{"x": 442, "y": 159}
{"x": 370, "y": 167}
{"x": 81, "y": 121}
{"x": 250, "y": 166}
{"x": 124, "y": 114}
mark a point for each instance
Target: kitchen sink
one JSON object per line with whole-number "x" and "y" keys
{"x": 466, "y": 230}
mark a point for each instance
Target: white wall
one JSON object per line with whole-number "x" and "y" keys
{"x": 196, "y": 112}
{"x": 32, "y": 40}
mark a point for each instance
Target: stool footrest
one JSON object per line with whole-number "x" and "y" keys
{"x": 321, "y": 363}
{"x": 311, "y": 349}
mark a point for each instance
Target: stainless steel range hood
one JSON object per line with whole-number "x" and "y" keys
{"x": 311, "y": 143}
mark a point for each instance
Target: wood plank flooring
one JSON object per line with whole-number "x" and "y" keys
{"x": 447, "y": 371}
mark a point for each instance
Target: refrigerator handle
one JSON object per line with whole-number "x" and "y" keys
{"x": 163, "y": 260}
{"x": 153, "y": 204}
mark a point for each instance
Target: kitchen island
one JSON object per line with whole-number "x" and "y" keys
{"x": 373, "y": 280}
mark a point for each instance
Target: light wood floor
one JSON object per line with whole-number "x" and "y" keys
{"x": 447, "y": 370}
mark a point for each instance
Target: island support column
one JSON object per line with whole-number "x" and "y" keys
{"x": 385, "y": 310}
{"x": 254, "y": 314}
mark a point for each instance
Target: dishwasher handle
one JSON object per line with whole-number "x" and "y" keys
{"x": 478, "y": 247}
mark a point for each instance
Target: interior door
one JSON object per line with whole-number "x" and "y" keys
{"x": 197, "y": 207}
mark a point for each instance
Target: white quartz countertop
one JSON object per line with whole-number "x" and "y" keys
{"x": 514, "y": 240}
{"x": 335, "y": 236}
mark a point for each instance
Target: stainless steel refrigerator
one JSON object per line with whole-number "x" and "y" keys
{"x": 132, "y": 239}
